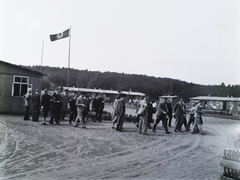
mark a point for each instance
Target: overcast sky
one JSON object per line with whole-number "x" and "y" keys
{"x": 191, "y": 40}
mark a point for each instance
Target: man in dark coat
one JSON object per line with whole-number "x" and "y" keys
{"x": 65, "y": 99}
{"x": 180, "y": 114}
{"x": 169, "y": 106}
{"x": 46, "y": 104}
{"x": 162, "y": 112}
{"x": 36, "y": 105}
{"x": 73, "y": 108}
{"x": 100, "y": 106}
{"x": 56, "y": 106}
{"x": 150, "y": 113}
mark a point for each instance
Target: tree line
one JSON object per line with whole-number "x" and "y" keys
{"x": 153, "y": 86}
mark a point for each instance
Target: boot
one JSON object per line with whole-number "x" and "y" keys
{"x": 154, "y": 128}
{"x": 117, "y": 127}
{"x": 166, "y": 129}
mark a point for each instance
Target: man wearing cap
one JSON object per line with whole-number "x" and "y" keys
{"x": 162, "y": 112}
{"x": 27, "y": 98}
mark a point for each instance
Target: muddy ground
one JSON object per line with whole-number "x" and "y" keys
{"x": 30, "y": 150}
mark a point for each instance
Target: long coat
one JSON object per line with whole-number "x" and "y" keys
{"x": 119, "y": 111}
{"x": 36, "y": 100}
{"x": 179, "y": 109}
{"x": 162, "y": 107}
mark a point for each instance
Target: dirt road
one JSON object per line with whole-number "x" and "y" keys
{"x": 30, "y": 150}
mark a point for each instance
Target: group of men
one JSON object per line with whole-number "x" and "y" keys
{"x": 82, "y": 107}
{"x": 59, "y": 102}
{"x": 165, "y": 112}
{"x": 35, "y": 101}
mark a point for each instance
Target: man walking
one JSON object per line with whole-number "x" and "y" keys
{"x": 143, "y": 116}
{"x": 150, "y": 113}
{"x": 119, "y": 112}
{"x": 198, "y": 118}
{"x": 169, "y": 107}
{"x": 162, "y": 112}
{"x": 179, "y": 112}
{"x": 81, "y": 104}
{"x": 191, "y": 116}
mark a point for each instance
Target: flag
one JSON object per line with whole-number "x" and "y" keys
{"x": 60, "y": 35}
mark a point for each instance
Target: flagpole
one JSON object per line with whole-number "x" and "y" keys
{"x": 42, "y": 59}
{"x": 42, "y": 55}
{"x": 69, "y": 57}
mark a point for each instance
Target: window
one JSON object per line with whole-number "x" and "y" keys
{"x": 20, "y": 85}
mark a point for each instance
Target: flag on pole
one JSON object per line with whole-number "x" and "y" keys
{"x": 60, "y": 35}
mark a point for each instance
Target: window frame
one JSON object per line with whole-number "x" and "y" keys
{"x": 23, "y": 80}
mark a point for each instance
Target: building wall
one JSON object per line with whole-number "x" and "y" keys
{"x": 10, "y": 104}
{"x": 6, "y": 91}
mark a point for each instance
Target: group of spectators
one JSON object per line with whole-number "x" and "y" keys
{"x": 80, "y": 106}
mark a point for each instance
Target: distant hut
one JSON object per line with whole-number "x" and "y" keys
{"x": 173, "y": 99}
{"x": 218, "y": 104}
{"x": 108, "y": 95}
